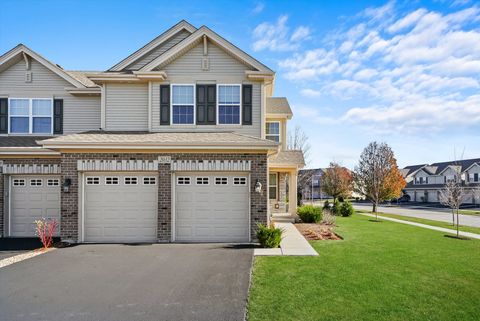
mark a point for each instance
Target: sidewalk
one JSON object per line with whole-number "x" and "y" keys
{"x": 293, "y": 243}
{"x": 436, "y": 228}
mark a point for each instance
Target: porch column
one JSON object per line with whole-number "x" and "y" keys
{"x": 292, "y": 193}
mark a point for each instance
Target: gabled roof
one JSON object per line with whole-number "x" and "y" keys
{"x": 439, "y": 168}
{"x": 182, "y": 25}
{"x": 287, "y": 158}
{"x": 410, "y": 170}
{"x": 278, "y": 106}
{"x": 188, "y": 43}
{"x": 12, "y": 56}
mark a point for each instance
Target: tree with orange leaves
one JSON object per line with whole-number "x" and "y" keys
{"x": 377, "y": 176}
{"x": 337, "y": 181}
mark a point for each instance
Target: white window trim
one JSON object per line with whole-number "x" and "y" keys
{"x": 97, "y": 178}
{"x": 35, "y": 179}
{"x": 276, "y": 186}
{"x": 30, "y": 115}
{"x": 54, "y": 181}
{"x": 112, "y": 177}
{"x": 149, "y": 179}
{"x": 184, "y": 178}
{"x": 279, "y": 130}
{"x": 131, "y": 178}
{"x": 202, "y": 178}
{"x": 19, "y": 182}
{"x": 194, "y": 105}
{"x": 240, "y": 179}
{"x": 218, "y": 105}
{"x": 221, "y": 178}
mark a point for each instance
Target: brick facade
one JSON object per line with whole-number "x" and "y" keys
{"x": 19, "y": 161}
{"x": 69, "y": 201}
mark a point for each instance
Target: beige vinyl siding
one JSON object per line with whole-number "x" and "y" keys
{"x": 126, "y": 107}
{"x": 251, "y": 130}
{"x": 222, "y": 66}
{"x": 154, "y": 53}
{"x": 80, "y": 113}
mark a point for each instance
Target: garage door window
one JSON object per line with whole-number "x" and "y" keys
{"x": 202, "y": 181}
{"x": 93, "y": 180}
{"x": 183, "y": 180}
{"x": 19, "y": 182}
{"x": 221, "y": 180}
{"x": 111, "y": 180}
{"x": 149, "y": 180}
{"x": 130, "y": 181}
{"x": 239, "y": 181}
{"x": 53, "y": 182}
{"x": 35, "y": 182}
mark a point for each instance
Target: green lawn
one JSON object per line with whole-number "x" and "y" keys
{"x": 470, "y": 212}
{"x": 380, "y": 271}
{"x": 428, "y": 222}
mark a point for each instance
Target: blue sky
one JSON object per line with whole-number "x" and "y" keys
{"x": 403, "y": 72}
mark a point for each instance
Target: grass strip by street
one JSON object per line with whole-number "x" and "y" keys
{"x": 462, "y": 228}
{"x": 380, "y": 271}
{"x": 470, "y": 212}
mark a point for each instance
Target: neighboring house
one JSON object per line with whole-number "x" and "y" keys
{"x": 180, "y": 141}
{"x": 309, "y": 184}
{"x": 424, "y": 182}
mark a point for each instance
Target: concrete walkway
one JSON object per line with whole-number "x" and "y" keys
{"x": 435, "y": 214}
{"x": 293, "y": 243}
{"x": 430, "y": 227}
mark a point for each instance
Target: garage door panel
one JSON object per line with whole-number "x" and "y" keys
{"x": 29, "y": 203}
{"x": 120, "y": 212}
{"x": 212, "y": 213}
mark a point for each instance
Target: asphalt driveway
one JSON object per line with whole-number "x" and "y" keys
{"x": 129, "y": 282}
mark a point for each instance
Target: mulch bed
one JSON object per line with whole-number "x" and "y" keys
{"x": 317, "y": 232}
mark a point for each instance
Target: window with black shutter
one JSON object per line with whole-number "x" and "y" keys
{"x": 3, "y": 115}
{"x": 206, "y": 105}
{"x": 58, "y": 116}
{"x": 247, "y": 104}
{"x": 164, "y": 104}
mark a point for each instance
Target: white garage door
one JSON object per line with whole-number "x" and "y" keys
{"x": 120, "y": 208}
{"x": 33, "y": 198}
{"x": 212, "y": 207}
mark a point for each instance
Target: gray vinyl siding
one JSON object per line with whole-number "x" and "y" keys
{"x": 80, "y": 113}
{"x": 223, "y": 69}
{"x": 154, "y": 53}
{"x": 251, "y": 130}
{"x": 126, "y": 107}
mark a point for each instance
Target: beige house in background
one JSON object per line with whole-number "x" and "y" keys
{"x": 181, "y": 141}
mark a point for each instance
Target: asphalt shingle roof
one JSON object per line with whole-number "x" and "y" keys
{"x": 278, "y": 105}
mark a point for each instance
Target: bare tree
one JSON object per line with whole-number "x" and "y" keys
{"x": 454, "y": 195}
{"x": 337, "y": 181}
{"x": 298, "y": 140}
{"x": 377, "y": 176}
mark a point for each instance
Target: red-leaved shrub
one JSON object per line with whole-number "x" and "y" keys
{"x": 45, "y": 229}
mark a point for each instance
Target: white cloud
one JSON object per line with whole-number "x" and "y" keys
{"x": 417, "y": 71}
{"x": 277, "y": 37}
{"x": 310, "y": 92}
{"x": 258, "y": 8}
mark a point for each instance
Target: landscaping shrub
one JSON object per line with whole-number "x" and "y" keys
{"x": 310, "y": 213}
{"x": 346, "y": 209}
{"x": 335, "y": 208}
{"x": 269, "y": 236}
{"x": 45, "y": 228}
{"x": 328, "y": 218}
{"x": 326, "y": 205}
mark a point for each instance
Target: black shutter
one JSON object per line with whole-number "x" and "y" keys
{"x": 58, "y": 116}
{"x": 247, "y": 104}
{"x": 206, "y": 105}
{"x": 3, "y": 115}
{"x": 164, "y": 104}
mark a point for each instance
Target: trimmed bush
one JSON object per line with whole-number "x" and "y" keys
{"x": 269, "y": 236}
{"x": 310, "y": 213}
{"x": 326, "y": 205}
{"x": 346, "y": 209}
{"x": 335, "y": 208}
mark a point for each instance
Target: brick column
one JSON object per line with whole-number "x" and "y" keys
{"x": 164, "y": 231}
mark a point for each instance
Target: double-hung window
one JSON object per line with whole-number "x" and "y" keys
{"x": 272, "y": 131}
{"x": 273, "y": 186}
{"x": 229, "y": 104}
{"x": 183, "y": 104}
{"x": 30, "y": 116}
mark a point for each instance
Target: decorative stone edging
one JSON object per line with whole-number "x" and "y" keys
{"x": 24, "y": 256}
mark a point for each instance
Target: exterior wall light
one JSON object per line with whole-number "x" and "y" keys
{"x": 258, "y": 186}
{"x": 66, "y": 185}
